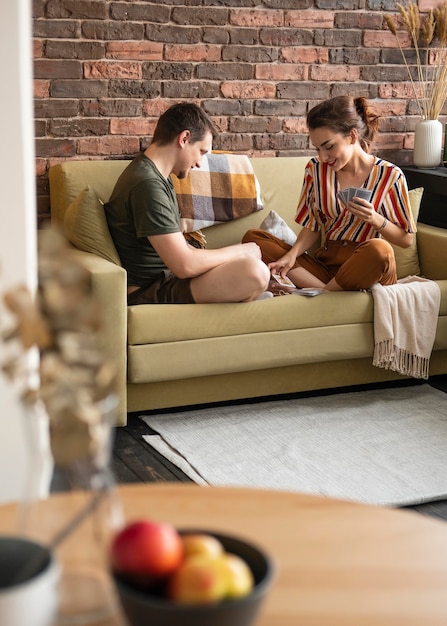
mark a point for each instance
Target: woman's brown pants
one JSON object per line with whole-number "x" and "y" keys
{"x": 354, "y": 266}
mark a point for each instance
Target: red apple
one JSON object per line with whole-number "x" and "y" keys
{"x": 146, "y": 551}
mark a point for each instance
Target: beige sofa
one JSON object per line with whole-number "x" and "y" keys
{"x": 180, "y": 355}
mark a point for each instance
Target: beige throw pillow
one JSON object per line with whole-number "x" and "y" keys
{"x": 275, "y": 225}
{"x": 85, "y": 226}
{"x": 407, "y": 260}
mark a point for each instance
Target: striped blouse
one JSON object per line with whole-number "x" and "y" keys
{"x": 320, "y": 209}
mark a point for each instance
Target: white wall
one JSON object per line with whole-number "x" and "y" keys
{"x": 18, "y": 213}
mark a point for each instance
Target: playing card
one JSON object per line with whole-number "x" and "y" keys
{"x": 342, "y": 196}
{"x": 363, "y": 193}
{"x": 350, "y": 193}
{"x": 285, "y": 282}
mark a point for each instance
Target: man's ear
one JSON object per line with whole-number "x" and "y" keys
{"x": 184, "y": 138}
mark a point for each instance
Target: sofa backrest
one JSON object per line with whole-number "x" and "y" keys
{"x": 280, "y": 180}
{"x": 70, "y": 178}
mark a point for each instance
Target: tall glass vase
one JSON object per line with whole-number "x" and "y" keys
{"x": 82, "y": 529}
{"x": 427, "y": 144}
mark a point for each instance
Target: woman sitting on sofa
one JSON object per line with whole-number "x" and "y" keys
{"x": 357, "y": 232}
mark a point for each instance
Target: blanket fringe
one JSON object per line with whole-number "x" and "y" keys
{"x": 390, "y": 357}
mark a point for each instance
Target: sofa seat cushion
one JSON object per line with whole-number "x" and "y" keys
{"x": 184, "y": 322}
{"x": 162, "y": 323}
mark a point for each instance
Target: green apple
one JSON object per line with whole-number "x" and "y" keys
{"x": 239, "y": 576}
{"x": 201, "y": 543}
{"x": 200, "y": 579}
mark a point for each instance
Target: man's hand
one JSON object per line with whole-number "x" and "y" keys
{"x": 251, "y": 249}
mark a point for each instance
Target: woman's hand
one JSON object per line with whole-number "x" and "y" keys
{"x": 365, "y": 211}
{"x": 284, "y": 264}
{"x": 393, "y": 233}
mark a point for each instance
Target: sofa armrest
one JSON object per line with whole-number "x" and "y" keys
{"x": 432, "y": 251}
{"x": 109, "y": 283}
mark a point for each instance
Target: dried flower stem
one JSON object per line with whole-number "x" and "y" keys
{"x": 432, "y": 73}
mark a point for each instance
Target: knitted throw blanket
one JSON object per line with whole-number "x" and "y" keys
{"x": 405, "y": 321}
{"x": 224, "y": 188}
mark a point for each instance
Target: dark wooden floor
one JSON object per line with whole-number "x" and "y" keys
{"x": 135, "y": 461}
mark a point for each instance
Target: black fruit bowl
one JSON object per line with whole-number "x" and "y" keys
{"x": 142, "y": 608}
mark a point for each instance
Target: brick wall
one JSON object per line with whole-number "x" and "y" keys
{"x": 105, "y": 70}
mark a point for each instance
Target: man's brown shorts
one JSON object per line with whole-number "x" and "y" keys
{"x": 168, "y": 289}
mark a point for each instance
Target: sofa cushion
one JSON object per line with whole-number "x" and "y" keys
{"x": 407, "y": 260}
{"x": 85, "y": 226}
{"x": 223, "y": 189}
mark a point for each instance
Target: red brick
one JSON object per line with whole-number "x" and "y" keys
{"x": 41, "y": 166}
{"x": 78, "y": 88}
{"x": 295, "y": 125}
{"x": 256, "y": 17}
{"x": 52, "y": 68}
{"x": 281, "y": 71}
{"x": 107, "y": 146}
{"x": 37, "y": 48}
{"x": 334, "y": 73}
{"x": 385, "y": 39}
{"x": 191, "y": 15}
{"x": 132, "y": 126}
{"x": 139, "y": 12}
{"x": 309, "y": 19}
{"x": 234, "y": 143}
{"x": 305, "y": 55}
{"x": 398, "y": 90}
{"x": 253, "y": 125}
{"x": 221, "y": 123}
{"x": 41, "y": 88}
{"x": 134, "y": 50}
{"x": 112, "y": 69}
{"x": 77, "y": 9}
{"x": 201, "y": 52}
{"x": 389, "y": 141}
{"x": 55, "y": 147}
{"x": 389, "y": 107}
{"x": 251, "y": 89}
{"x": 155, "y": 107}
{"x": 111, "y": 107}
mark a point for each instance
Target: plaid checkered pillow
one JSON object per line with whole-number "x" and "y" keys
{"x": 224, "y": 188}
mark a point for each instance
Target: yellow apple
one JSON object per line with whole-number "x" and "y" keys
{"x": 199, "y": 580}
{"x": 239, "y": 576}
{"x": 201, "y": 543}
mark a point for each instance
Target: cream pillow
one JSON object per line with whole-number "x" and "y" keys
{"x": 275, "y": 225}
{"x": 85, "y": 226}
{"x": 407, "y": 260}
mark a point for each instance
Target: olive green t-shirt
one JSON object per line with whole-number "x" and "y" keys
{"x": 143, "y": 203}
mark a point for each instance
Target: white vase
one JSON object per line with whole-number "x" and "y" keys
{"x": 427, "y": 144}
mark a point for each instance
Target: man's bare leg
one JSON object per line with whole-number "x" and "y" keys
{"x": 241, "y": 280}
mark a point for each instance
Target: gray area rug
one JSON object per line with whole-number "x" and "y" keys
{"x": 386, "y": 446}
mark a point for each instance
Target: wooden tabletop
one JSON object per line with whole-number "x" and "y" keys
{"x": 338, "y": 563}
